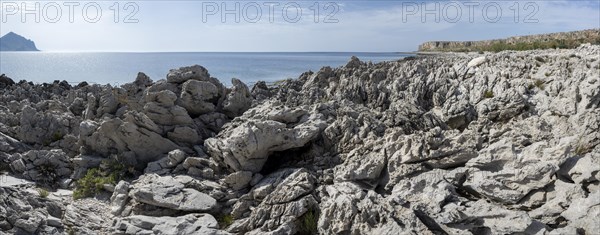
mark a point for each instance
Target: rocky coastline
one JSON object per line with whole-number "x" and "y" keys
{"x": 540, "y": 41}
{"x": 459, "y": 143}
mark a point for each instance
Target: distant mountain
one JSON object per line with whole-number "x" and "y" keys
{"x": 14, "y": 42}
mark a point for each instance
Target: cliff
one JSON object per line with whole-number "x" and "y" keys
{"x": 14, "y": 42}
{"x": 529, "y": 42}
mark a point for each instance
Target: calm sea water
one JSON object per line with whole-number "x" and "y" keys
{"x": 120, "y": 68}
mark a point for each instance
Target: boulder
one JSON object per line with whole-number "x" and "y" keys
{"x": 238, "y": 100}
{"x": 199, "y": 97}
{"x": 5, "y": 81}
{"x": 42, "y": 165}
{"x": 186, "y": 73}
{"x": 168, "y": 193}
{"x": 186, "y": 224}
{"x": 116, "y": 136}
{"x": 477, "y": 61}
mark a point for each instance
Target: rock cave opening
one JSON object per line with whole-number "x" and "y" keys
{"x": 295, "y": 157}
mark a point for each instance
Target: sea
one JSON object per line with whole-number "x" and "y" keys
{"x": 120, "y": 68}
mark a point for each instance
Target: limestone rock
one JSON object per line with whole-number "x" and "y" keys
{"x": 119, "y": 198}
{"x": 43, "y": 166}
{"x": 186, "y": 224}
{"x": 247, "y": 146}
{"x": 186, "y": 73}
{"x": 199, "y": 97}
{"x": 238, "y": 180}
{"x": 238, "y": 100}
{"x": 168, "y": 193}
{"x": 477, "y": 61}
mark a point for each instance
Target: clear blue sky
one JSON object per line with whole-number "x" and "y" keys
{"x": 352, "y": 26}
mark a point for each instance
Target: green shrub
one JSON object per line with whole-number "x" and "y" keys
{"x": 48, "y": 172}
{"x": 4, "y": 167}
{"x": 225, "y": 220}
{"x": 70, "y": 230}
{"x": 110, "y": 172}
{"x": 582, "y": 149}
{"x": 43, "y": 193}
{"x": 308, "y": 223}
{"x": 540, "y": 59}
{"x": 539, "y": 84}
{"x": 57, "y": 136}
{"x": 547, "y": 74}
{"x": 488, "y": 94}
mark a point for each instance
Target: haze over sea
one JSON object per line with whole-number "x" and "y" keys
{"x": 120, "y": 68}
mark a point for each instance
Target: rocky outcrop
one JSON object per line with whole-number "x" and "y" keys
{"x": 503, "y": 143}
{"x": 166, "y": 192}
{"x": 563, "y": 39}
{"x": 187, "y": 224}
{"x": 246, "y": 143}
{"x": 42, "y": 165}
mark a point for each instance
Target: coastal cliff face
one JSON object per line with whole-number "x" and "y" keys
{"x": 452, "y": 144}
{"x": 14, "y": 42}
{"x": 552, "y": 40}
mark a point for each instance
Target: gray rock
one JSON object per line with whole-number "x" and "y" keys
{"x": 186, "y": 224}
{"x": 186, "y": 73}
{"x": 584, "y": 213}
{"x": 238, "y": 180}
{"x": 199, "y": 97}
{"x": 119, "y": 198}
{"x": 116, "y": 136}
{"x": 247, "y": 144}
{"x": 238, "y": 100}
{"x": 281, "y": 199}
{"x": 176, "y": 156}
{"x": 477, "y": 61}
{"x": 167, "y": 193}
{"x": 184, "y": 135}
{"x": 42, "y": 165}
{"x": 168, "y": 116}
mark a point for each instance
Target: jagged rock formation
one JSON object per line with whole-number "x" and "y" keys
{"x": 503, "y": 143}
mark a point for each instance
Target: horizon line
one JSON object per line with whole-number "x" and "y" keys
{"x": 59, "y": 51}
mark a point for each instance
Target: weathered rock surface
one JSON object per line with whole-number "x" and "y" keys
{"x": 504, "y": 143}
{"x": 246, "y": 143}
{"x": 187, "y": 224}
{"x": 169, "y": 193}
{"x": 42, "y": 165}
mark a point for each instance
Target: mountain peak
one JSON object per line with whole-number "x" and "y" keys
{"x": 14, "y": 42}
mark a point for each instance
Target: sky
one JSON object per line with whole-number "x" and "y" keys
{"x": 285, "y": 26}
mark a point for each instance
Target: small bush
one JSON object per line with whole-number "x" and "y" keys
{"x": 94, "y": 180}
{"x": 57, "y": 136}
{"x": 582, "y": 149}
{"x": 70, "y": 230}
{"x": 89, "y": 185}
{"x": 4, "y": 167}
{"x": 488, "y": 94}
{"x": 225, "y": 220}
{"x": 308, "y": 223}
{"x": 547, "y": 74}
{"x": 43, "y": 193}
{"x": 48, "y": 172}
{"x": 539, "y": 84}
{"x": 540, "y": 59}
